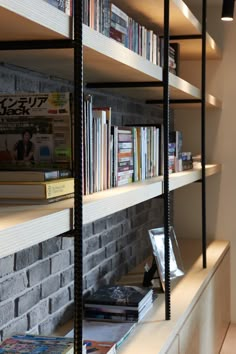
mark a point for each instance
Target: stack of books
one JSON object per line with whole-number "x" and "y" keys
{"x": 35, "y": 148}
{"x": 118, "y": 303}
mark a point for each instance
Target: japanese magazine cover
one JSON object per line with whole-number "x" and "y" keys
{"x": 35, "y": 131}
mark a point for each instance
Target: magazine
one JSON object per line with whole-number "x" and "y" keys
{"x": 36, "y": 344}
{"x": 35, "y": 131}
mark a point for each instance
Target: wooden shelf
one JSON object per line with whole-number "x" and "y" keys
{"x": 158, "y": 333}
{"x": 105, "y": 60}
{"x": 32, "y": 19}
{"x": 180, "y": 179}
{"x": 182, "y": 22}
{"x": 37, "y": 223}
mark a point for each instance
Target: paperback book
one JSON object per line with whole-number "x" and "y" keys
{"x": 37, "y": 344}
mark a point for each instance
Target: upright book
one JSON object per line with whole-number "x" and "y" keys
{"x": 37, "y": 344}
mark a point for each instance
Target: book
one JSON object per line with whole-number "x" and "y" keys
{"x": 33, "y": 176}
{"x": 35, "y": 131}
{"x": 100, "y": 331}
{"x": 99, "y": 347}
{"x": 36, "y": 344}
{"x": 119, "y": 296}
{"x": 36, "y": 190}
{"x": 24, "y": 201}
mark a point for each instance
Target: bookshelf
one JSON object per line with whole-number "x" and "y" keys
{"x": 104, "y": 61}
{"x": 38, "y": 223}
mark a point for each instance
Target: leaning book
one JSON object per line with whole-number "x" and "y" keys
{"x": 35, "y": 131}
{"x": 37, "y": 344}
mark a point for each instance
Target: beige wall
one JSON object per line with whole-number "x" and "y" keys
{"x": 221, "y": 148}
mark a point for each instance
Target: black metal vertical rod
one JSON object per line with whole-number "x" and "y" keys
{"x": 78, "y": 175}
{"x": 203, "y": 131}
{"x": 166, "y": 117}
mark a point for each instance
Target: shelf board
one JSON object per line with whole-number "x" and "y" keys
{"x": 180, "y": 179}
{"x": 186, "y": 290}
{"x": 99, "y": 205}
{"x": 32, "y": 19}
{"x": 106, "y": 60}
{"x": 182, "y": 22}
{"x": 41, "y": 222}
{"x": 25, "y": 226}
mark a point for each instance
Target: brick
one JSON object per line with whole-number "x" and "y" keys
{"x": 92, "y": 277}
{"x": 34, "y": 331}
{"x": 60, "y": 261}
{"x": 26, "y": 84}
{"x": 87, "y": 230}
{"x": 139, "y": 219}
{"x": 91, "y": 245}
{"x": 67, "y": 242}
{"x": 116, "y": 218}
{"x": 38, "y": 272}
{"x": 26, "y": 257}
{"x": 111, "y": 249}
{"x": 38, "y": 313}
{"x": 6, "y": 265}
{"x": 67, "y": 276}
{"x": 12, "y": 286}
{"x": 99, "y": 226}
{"x": 110, "y": 235}
{"x": 19, "y": 325}
{"x": 51, "y": 246}
{"x": 72, "y": 256}
{"x": 122, "y": 242}
{"x": 27, "y": 300}
{"x": 126, "y": 228}
{"x": 88, "y": 263}
{"x": 132, "y": 236}
{"x": 71, "y": 291}
{"x": 105, "y": 268}
{"x": 7, "y": 311}
{"x": 50, "y": 286}
{"x": 58, "y": 300}
{"x": 56, "y": 319}
{"x": 7, "y": 80}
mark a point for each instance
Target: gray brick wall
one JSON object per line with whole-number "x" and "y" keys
{"x": 36, "y": 284}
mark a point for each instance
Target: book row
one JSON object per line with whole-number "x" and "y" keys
{"x": 108, "y": 19}
{"x": 117, "y": 155}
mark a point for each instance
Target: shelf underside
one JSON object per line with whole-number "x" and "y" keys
{"x": 47, "y": 221}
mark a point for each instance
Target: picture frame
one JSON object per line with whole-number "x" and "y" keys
{"x": 157, "y": 238}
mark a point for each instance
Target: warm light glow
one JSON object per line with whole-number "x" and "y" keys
{"x": 227, "y": 19}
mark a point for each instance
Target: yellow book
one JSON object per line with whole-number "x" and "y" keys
{"x": 36, "y": 190}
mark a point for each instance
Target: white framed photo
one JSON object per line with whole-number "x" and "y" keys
{"x": 157, "y": 238}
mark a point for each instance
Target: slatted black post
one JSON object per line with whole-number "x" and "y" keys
{"x": 166, "y": 114}
{"x": 203, "y": 131}
{"x": 78, "y": 175}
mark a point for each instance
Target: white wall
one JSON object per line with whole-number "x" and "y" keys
{"x": 221, "y": 148}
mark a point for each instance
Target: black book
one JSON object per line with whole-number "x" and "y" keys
{"x": 122, "y": 296}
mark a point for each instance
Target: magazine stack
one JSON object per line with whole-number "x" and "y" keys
{"x": 118, "y": 303}
{"x": 35, "y": 148}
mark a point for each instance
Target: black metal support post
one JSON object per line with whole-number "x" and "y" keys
{"x": 203, "y": 131}
{"x": 78, "y": 175}
{"x": 166, "y": 114}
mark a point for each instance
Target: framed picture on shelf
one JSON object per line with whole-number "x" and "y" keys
{"x": 157, "y": 238}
